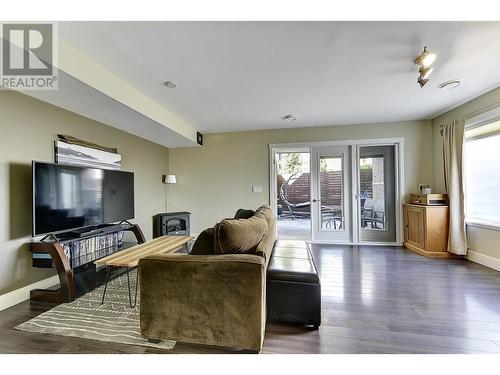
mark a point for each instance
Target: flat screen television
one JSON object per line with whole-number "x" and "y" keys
{"x": 67, "y": 197}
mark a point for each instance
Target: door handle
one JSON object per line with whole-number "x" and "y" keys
{"x": 315, "y": 200}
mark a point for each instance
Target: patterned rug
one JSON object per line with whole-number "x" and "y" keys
{"x": 86, "y": 318}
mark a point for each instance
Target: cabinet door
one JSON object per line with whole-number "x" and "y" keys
{"x": 415, "y": 226}
{"x": 437, "y": 229}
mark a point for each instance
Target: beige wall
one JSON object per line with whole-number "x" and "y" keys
{"x": 28, "y": 128}
{"x": 216, "y": 179}
{"x": 481, "y": 240}
{"x": 213, "y": 180}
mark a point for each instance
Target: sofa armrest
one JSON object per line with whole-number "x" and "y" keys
{"x": 212, "y": 300}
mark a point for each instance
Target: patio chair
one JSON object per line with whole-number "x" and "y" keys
{"x": 332, "y": 217}
{"x": 369, "y": 215}
{"x": 293, "y": 207}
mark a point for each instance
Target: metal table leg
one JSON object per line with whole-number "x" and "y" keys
{"x": 129, "y": 292}
{"x": 108, "y": 268}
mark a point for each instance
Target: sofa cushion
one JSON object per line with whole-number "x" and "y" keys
{"x": 243, "y": 213}
{"x": 265, "y": 211}
{"x": 239, "y": 236}
{"x": 204, "y": 244}
{"x": 265, "y": 246}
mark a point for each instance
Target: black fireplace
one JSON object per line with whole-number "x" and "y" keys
{"x": 171, "y": 224}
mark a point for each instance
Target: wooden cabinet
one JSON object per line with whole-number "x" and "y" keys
{"x": 426, "y": 230}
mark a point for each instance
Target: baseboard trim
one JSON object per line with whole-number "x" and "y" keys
{"x": 432, "y": 254}
{"x": 22, "y": 294}
{"x": 350, "y": 243}
{"x": 485, "y": 260}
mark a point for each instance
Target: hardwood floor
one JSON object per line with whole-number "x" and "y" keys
{"x": 374, "y": 300}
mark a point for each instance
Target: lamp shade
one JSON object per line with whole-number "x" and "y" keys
{"x": 171, "y": 179}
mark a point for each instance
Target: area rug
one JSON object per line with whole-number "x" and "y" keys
{"x": 114, "y": 321}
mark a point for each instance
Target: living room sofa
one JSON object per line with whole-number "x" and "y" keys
{"x": 218, "y": 296}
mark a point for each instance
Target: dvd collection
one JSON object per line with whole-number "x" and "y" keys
{"x": 83, "y": 251}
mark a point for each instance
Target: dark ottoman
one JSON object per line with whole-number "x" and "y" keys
{"x": 293, "y": 285}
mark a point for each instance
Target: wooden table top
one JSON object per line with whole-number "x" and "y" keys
{"x": 130, "y": 257}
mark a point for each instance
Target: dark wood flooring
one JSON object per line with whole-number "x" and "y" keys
{"x": 374, "y": 300}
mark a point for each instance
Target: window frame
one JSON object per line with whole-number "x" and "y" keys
{"x": 476, "y": 121}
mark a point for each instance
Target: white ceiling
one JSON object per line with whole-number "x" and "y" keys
{"x": 235, "y": 76}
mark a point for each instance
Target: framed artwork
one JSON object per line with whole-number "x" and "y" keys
{"x": 73, "y": 154}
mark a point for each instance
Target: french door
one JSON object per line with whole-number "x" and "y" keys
{"x": 375, "y": 193}
{"x": 340, "y": 191}
{"x": 331, "y": 192}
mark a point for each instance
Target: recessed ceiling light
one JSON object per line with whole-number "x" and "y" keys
{"x": 170, "y": 84}
{"x": 450, "y": 85}
{"x": 289, "y": 117}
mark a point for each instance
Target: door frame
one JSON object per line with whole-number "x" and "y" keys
{"x": 398, "y": 142}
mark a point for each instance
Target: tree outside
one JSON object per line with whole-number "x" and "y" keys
{"x": 290, "y": 163}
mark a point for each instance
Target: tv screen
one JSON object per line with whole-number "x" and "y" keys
{"x": 67, "y": 197}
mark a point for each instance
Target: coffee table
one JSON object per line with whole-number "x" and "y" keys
{"x": 129, "y": 258}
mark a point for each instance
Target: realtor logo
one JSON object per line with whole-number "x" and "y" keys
{"x": 28, "y": 56}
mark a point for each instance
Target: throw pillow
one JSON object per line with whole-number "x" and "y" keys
{"x": 204, "y": 244}
{"x": 265, "y": 211}
{"x": 244, "y": 214}
{"x": 239, "y": 236}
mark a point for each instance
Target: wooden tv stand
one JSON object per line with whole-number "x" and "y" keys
{"x": 66, "y": 291}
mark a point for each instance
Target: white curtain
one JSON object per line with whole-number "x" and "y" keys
{"x": 453, "y": 144}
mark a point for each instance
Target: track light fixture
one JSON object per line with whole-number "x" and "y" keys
{"x": 425, "y": 72}
{"x": 422, "y": 81}
{"x": 425, "y": 60}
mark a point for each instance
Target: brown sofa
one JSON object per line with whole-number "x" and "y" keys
{"x": 218, "y": 298}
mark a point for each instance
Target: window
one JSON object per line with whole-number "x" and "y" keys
{"x": 371, "y": 179}
{"x": 482, "y": 173}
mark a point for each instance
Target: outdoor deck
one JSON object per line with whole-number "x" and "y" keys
{"x": 292, "y": 229}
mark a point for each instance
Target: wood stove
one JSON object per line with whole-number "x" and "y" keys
{"x": 171, "y": 224}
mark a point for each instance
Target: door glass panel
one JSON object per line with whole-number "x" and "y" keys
{"x": 293, "y": 195}
{"x": 377, "y": 193}
{"x": 372, "y": 192}
{"x": 331, "y": 199}
{"x": 331, "y": 192}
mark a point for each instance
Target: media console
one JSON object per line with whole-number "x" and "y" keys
{"x": 74, "y": 256}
